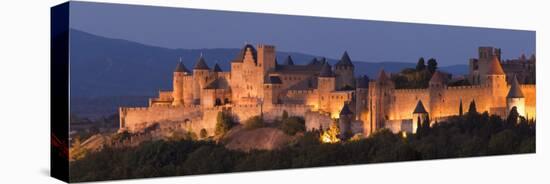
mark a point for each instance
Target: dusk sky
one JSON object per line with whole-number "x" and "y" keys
{"x": 371, "y": 41}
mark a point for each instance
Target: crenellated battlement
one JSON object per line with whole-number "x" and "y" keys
{"x": 241, "y": 91}
{"x": 247, "y": 106}
{"x": 161, "y": 106}
{"x": 311, "y": 91}
{"x": 133, "y": 108}
{"x": 466, "y": 87}
{"x": 292, "y": 106}
{"x": 419, "y": 90}
{"x": 218, "y": 108}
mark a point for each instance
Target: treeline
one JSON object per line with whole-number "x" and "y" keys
{"x": 418, "y": 77}
{"x": 472, "y": 134}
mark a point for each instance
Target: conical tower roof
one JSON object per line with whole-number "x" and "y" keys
{"x": 201, "y": 64}
{"x": 515, "y": 90}
{"x": 289, "y": 60}
{"x": 419, "y": 109}
{"x": 180, "y": 67}
{"x": 345, "y": 60}
{"x": 240, "y": 56}
{"x": 345, "y": 110}
{"x": 494, "y": 67}
{"x": 217, "y": 68}
{"x": 326, "y": 71}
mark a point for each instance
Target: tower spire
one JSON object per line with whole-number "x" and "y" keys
{"x": 515, "y": 90}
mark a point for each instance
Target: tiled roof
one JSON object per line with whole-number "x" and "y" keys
{"x": 345, "y": 60}
{"x": 219, "y": 83}
{"x": 273, "y": 80}
{"x": 515, "y": 90}
{"x": 201, "y": 64}
{"x": 240, "y": 56}
{"x": 217, "y": 68}
{"x": 494, "y": 67}
{"x": 419, "y": 108}
{"x": 180, "y": 67}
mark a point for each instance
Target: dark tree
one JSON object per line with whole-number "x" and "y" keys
{"x": 460, "y": 112}
{"x": 421, "y": 65}
{"x": 432, "y": 65}
{"x": 254, "y": 122}
{"x": 426, "y": 124}
{"x": 292, "y": 125}
{"x": 285, "y": 115}
{"x": 513, "y": 116}
{"x": 472, "y": 109}
{"x": 478, "y": 135}
{"x": 223, "y": 123}
{"x": 203, "y": 134}
{"x": 419, "y": 126}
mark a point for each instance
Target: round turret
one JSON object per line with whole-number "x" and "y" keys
{"x": 515, "y": 98}
{"x": 344, "y": 122}
{"x": 419, "y": 116}
{"x": 201, "y": 64}
{"x": 201, "y": 71}
{"x": 177, "y": 83}
{"x": 344, "y": 71}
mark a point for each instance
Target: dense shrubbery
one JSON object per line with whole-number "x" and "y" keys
{"x": 469, "y": 135}
{"x": 223, "y": 123}
{"x": 293, "y": 125}
{"x": 254, "y": 122}
{"x": 419, "y": 77}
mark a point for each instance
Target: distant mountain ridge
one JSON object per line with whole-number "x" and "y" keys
{"x": 103, "y": 66}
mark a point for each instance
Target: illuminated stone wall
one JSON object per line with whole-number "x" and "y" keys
{"x": 405, "y": 101}
{"x": 136, "y": 118}
{"x": 379, "y": 106}
{"x": 529, "y": 91}
{"x": 317, "y": 120}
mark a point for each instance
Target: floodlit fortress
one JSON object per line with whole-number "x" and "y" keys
{"x": 320, "y": 93}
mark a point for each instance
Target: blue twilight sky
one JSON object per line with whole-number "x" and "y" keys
{"x": 372, "y": 41}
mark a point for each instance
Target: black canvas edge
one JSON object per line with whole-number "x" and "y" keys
{"x": 59, "y": 99}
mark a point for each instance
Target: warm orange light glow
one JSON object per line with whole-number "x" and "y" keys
{"x": 334, "y": 115}
{"x": 331, "y": 135}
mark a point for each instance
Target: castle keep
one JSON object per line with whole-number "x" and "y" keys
{"x": 258, "y": 85}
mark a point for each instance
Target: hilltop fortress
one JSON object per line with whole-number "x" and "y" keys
{"x": 257, "y": 85}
